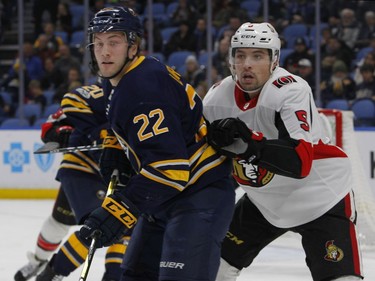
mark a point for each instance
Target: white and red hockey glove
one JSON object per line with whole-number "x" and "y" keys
{"x": 56, "y": 129}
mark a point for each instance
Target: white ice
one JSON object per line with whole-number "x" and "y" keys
{"x": 21, "y": 221}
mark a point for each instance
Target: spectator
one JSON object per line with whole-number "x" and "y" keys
{"x": 220, "y": 57}
{"x": 74, "y": 80}
{"x": 136, "y": 5}
{"x": 304, "y": 10}
{"x": 227, "y": 9}
{"x": 368, "y": 59}
{"x": 335, "y": 49}
{"x": 200, "y": 35}
{"x": 301, "y": 51}
{"x": 181, "y": 40}
{"x": 203, "y": 87}
{"x": 348, "y": 29}
{"x": 157, "y": 37}
{"x": 194, "y": 73}
{"x": 65, "y": 62}
{"x": 64, "y": 19}
{"x": 35, "y": 94}
{"x": 6, "y": 109}
{"x": 45, "y": 49}
{"x": 40, "y": 6}
{"x": 184, "y": 13}
{"x": 326, "y": 34}
{"x": 339, "y": 86}
{"x": 98, "y": 5}
{"x": 306, "y": 71}
{"x": 53, "y": 41}
{"x": 234, "y": 22}
{"x": 51, "y": 78}
{"x": 367, "y": 30}
{"x": 33, "y": 70}
{"x": 366, "y": 89}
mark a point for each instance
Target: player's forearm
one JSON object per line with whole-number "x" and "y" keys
{"x": 290, "y": 158}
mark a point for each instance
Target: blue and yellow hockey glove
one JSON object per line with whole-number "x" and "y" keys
{"x": 114, "y": 219}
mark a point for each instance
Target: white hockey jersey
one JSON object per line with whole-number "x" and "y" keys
{"x": 284, "y": 106}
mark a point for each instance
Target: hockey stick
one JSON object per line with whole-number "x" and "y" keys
{"x": 97, "y": 233}
{"x": 54, "y": 147}
{"x": 90, "y": 255}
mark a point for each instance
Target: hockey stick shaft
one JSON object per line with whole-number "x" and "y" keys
{"x": 90, "y": 256}
{"x": 71, "y": 149}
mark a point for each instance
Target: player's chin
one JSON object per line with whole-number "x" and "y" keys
{"x": 106, "y": 72}
{"x": 248, "y": 85}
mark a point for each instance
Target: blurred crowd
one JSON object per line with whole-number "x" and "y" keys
{"x": 53, "y": 55}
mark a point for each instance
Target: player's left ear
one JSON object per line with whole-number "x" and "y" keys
{"x": 274, "y": 64}
{"x": 133, "y": 50}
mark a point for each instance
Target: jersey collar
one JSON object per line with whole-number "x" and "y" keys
{"x": 242, "y": 100}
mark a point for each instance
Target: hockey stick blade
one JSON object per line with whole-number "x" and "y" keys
{"x": 90, "y": 256}
{"x": 49, "y": 146}
{"x": 54, "y": 147}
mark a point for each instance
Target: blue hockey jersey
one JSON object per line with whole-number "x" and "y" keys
{"x": 85, "y": 111}
{"x": 158, "y": 120}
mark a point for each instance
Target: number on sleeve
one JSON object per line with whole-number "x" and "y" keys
{"x": 302, "y": 117}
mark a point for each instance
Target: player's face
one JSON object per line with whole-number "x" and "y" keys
{"x": 252, "y": 67}
{"x": 110, "y": 50}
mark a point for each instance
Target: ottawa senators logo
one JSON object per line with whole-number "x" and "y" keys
{"x": 334, "y": 253}
{"x": 281, "y": 81}
{"x": 248, "y": 174}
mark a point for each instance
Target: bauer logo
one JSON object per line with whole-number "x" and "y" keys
{"x": 172, "y": 264}
{"x": 44, "y": 161}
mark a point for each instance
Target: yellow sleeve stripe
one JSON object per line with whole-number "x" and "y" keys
{"x": 78, "y": 247}
{"x": 113, "y": 260}
{"x": 72, "y": 109}
{"x": 74, "y": 159}
{"x": 159, "y": 164}
{"x": 198, "y": 154}
{"x": 68, "y": 104}
{"x": 77, "y": 167}
{"x": 207, "y": 153}
{"x": 176, "y": 175}
{"x": 116, "y": 248}
{"x": 152, "y": 177}
{"x": 88, "y": 160}
{"x": 205, "y": 168}
{"x": 73, "y": 97}
{"x": 70, "y": 256}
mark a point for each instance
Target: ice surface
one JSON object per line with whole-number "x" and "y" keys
{"x": 21, "y": 221}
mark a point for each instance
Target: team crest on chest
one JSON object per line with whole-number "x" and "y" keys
{"x": 285, "y": 80}
{"x": 248, "y": 174}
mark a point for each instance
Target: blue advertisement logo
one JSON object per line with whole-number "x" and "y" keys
{"x": 44, "y": 161}
{"x": 16, "y": 157}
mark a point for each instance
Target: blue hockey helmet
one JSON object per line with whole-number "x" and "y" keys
{"x": 116, "y": 19}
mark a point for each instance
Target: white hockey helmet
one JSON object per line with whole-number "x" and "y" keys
{"x": 255, "y": 35}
